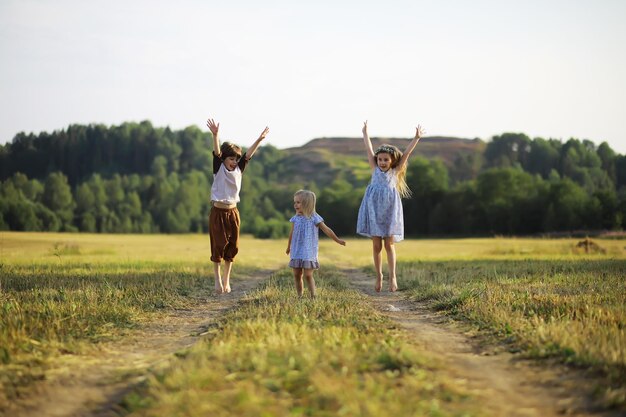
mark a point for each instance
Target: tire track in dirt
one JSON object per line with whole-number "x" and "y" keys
{"x": 507, "y": 385}
{"x": 94, "y": 384}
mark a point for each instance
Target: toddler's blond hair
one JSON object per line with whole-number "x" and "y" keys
{"x": 307, "y": 200}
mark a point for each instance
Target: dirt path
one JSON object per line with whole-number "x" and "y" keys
{"x": 93, "y": 385}
{"x": 509, "y": 386}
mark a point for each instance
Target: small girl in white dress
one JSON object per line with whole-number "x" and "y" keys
{"x": 380, "y": 214}
{"x": 303, "y": 239}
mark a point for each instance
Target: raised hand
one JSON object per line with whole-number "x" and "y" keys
{"x": 364, "y": 128}
{"x": 419, "y": 132}
{"x": 264, "y": 133}
{"x": 213, "y": 127}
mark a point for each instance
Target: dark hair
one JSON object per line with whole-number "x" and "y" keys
{"x": 393, "y": 151}
{"x": 230, "y": 149}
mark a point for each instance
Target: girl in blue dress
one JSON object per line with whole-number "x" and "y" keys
{"x": 380, "y": 215}
{"x": 303, "y": 239}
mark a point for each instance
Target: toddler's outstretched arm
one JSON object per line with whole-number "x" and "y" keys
{"x": 368, "y": 147}
{"x": 289, "y": 241}
{"x": 409, "y": 149}
{"x": 252, "y": 149}
{"x": 214, "y": 128}
{"x": 329, "y": 232}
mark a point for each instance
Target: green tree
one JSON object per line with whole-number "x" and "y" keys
{"x": 428, "y": 181}
{"x": 566, "y": 206}
{"x": 502, "y": 195}
{"x": 508, "y": 150}
{"x": 30, "y": 189}
{"x": 57, "y": 196}
{"x": 339, "y": 205}
{"x": 544, "y": 157}
{"x": 86, "y": 208}
{"x": 456, "y": 212}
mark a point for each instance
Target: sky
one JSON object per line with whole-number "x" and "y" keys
{"x": 309, "y": 69}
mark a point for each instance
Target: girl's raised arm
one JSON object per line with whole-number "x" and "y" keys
{"x": 368, "y": 147}
{"x": 214, "y": 128}
{"x": 409, "y": 149}
{"x": 252, "y": 149}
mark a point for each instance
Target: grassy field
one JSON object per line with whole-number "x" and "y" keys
{"x": 63, "y": 293}
{"x": 572, "y": 311}
{"x": 277, "y": 355}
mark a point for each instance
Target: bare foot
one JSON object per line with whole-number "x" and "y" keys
{"x": 379, "y": 283}
{"x": 218, "y": 287}
{"x": 393, "y": 285}
{"x": 227, "y": 288}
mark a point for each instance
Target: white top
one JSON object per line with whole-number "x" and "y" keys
{"x": 226, "y": 185}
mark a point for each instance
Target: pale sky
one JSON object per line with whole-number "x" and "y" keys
{"x": 551, "y": 68}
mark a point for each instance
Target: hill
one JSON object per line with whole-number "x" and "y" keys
{"x": 324, "y": 159}
{"x": 448, "y": 149}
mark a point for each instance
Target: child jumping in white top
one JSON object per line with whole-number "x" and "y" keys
{"x": 224, "y": 221}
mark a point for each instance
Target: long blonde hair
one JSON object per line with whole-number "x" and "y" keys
{"x": 308, "y": 201}
{"x": 396, "y": 155}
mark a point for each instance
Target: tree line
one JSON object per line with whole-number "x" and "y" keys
{"x": 136, "y": 178}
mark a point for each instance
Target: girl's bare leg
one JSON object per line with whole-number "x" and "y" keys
{"x": 377, "y": 248}
{"x": 391, "y": 262}
{"x": 310, "y": 282}
{"x": 297, "y": 277}
{"x": 227, "y": 267}
{"x": 219, "y": 288}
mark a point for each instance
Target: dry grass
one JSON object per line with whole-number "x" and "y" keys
{"x": 573, "y": 311}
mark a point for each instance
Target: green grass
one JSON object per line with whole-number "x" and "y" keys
{"x": 571, "y": 311}
{"x": 64, "y": 293}
{"x": 51, "y": 310}
{"x": 278, "y": 355}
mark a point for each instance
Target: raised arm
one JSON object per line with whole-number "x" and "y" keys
{"x": 368, "y": 147}
{"x": 409, "y": 149}
{"x": 252, "y": 149}
{"x": 329, "y": 232}
{"x": 214, "y": 128}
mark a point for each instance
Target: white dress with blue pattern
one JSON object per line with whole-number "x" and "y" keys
{"x": 380, "y": 213}
{"x": 304, "y": 241}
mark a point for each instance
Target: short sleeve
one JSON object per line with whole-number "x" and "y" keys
{"x": 317, "y": 219}
{"x": 293, "y": 219}
{"x": 217, "y": 162}
{"x": 243, "y": 162}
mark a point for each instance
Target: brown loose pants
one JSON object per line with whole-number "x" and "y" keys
{"x": 224, "y": 233}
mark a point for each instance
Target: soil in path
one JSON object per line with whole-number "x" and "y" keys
{"x": 507, "y": 385}
{"x": 94, "y": 384}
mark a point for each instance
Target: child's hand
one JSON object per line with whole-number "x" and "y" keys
{"x": 288, "y": 250}
{"x": 419, "y": 132}
{"x": 213, "y": 127}
{"x": 364, "y": 128}
{"x": 341, "y": 242}
{"x": 264, "y": 133}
